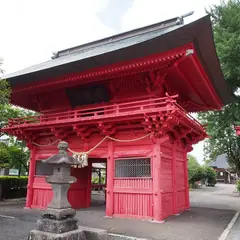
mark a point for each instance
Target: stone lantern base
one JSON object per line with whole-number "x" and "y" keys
{"x": 82, "y": 233}
{"x": 72, "y": 235}
{"x": 57, "y": 226}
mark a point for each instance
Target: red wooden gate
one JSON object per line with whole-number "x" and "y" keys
{"x": 132, "y": 188}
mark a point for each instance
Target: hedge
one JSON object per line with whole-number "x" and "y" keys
{"x": 13, "y": 187}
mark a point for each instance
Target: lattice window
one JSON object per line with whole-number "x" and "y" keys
{"x": 134, "y": 167}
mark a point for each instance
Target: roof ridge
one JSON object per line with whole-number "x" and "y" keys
{"x": 132, "y": 33}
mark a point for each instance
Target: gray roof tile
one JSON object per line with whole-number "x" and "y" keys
{"x": 220, "y": 162}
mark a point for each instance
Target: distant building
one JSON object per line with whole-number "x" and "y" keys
{"x": 98, "y": 170}
{"x": 223, "y": 170}
{"x": 5, "y": 139}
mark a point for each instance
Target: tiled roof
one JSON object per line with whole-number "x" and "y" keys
{"x": 103, "y": 46}
{"x": 220, "y": 162}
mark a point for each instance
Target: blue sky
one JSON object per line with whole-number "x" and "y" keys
{"x": 32, "y": 29}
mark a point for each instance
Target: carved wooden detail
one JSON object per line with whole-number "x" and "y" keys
{"x": 41, "y": 100}
{"x": 107, "y": 129}
{"x": 138, "y": 66}
{"x": 60, "y": 133}
{"x": 84, "y": 132}
{"x": 155, "y": 84}
{"x": 159, "y": 116}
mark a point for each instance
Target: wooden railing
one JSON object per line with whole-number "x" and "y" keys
{"x": 188, "y": 115}
{"x": 106, "y": 111}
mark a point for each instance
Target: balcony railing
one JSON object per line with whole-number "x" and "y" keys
{"x": 101, "y": 112}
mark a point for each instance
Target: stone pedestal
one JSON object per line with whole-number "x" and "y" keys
{"x": 57, "y": 226}
{"x": 73, "y": 235}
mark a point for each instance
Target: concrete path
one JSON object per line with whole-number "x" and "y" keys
{"x": 221, "y": 196}
{"x": 206, "y": 220}
{"x": 197, "y": 224}
{"x": 235, "y": 231}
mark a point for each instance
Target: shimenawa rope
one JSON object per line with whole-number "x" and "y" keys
{"x": 82, "y": 157}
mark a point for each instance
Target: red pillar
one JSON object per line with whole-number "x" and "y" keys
{"x": 89, "y": 184}
{"x": 31, "y": 174}
{"x": 110, "y": 176}
{"x": 89, "y": 177}
{"x": 186, "y": 181}
{"x": 174, "y": 178}
{"x": 156, "y": 168}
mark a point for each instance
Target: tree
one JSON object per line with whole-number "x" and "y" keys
{"x": 210, "y": 176}
{"x": 7, "y": 110}
{"x": 4, "y": 88}
{"x": 5, "y": 156}
{"x": 16, "y": 154}
{"x": 13, "y": 156}
{"x": 195, "y": 171}
{"x": 19, "y": 157}
{"x": 226, "y": 21}
{"x": 223, "y": 138}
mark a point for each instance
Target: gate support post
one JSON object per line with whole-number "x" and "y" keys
{"x": 157, "y": 195}
{"x": 174, "y": 178}
{"x": 31, "y": 172}
{"x": 110, "y": 176}
{"x": 186, "y": 181}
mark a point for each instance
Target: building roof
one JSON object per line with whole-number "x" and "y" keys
{"x": 220, "y": 162}
{"x": 139, "y": 43}
{"x": 99, "y": 47}
{"x": 99, "y": 165}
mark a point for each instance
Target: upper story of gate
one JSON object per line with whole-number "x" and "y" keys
{"x": 165, "y": 59}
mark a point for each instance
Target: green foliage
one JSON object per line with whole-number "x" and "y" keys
{"x": 238, "y": 186}
{"x": 210, "y": 173}
{"x": 13, "y": 156}
{"x": 4, "y": 88}
{"x": 13, "y": 187}
{"x": 195, "y": 171}
{"x": 95, "y": 180}
{"x": 223, "y": 139}
{"x": 18, "y": 156}
{"x": 226, "y": 22}
{"x": 8, "y": 111}
{"x": 5, "y": 156}
{"x": 4, "y": 92}
{"x": 210, "y": 176}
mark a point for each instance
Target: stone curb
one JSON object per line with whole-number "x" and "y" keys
{"x": 113, "y": 236}
{"x": 228, "y": 229}
{"x": 12, "y": 201}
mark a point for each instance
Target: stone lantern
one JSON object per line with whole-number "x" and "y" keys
{"x": 57, "y": 221}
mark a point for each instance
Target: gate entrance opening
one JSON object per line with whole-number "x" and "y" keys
{"x": 98, "y": 181}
